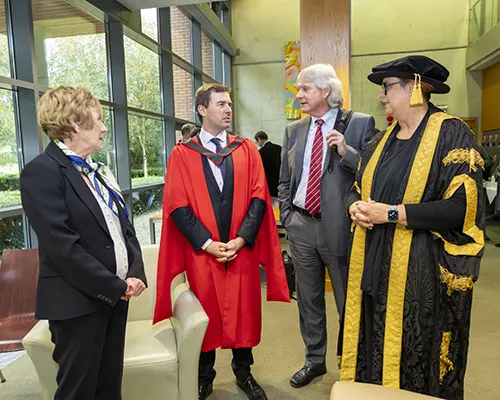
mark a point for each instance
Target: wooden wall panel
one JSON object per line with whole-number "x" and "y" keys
{"x": 325, "y": 36}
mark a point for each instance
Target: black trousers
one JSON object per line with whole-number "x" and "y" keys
{"x": 89, "y": 350}
{"x": 242, "y": 360}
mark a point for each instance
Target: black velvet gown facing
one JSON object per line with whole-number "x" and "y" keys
{"x": 444, "y": 254}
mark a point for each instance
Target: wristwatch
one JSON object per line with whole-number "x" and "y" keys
{"x": 392, "y": 214}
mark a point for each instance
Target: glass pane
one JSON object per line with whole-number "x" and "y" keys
{"x": 147, "y": 204}
{"x": 178, "y": 136}
{"x": 70, "y": 47}
{"x": 107, "y": 154}
{"x": 183, "y": 94}
{"x": 11, "y": 233}
{"x": 4, "y": 45}
{"x": 146, "y": 151}
{"x": 142, "y": 70}
{"x": 207, "y": 54}
{"x": 180, "y": 26}
{"x": 149, "y": 21}
{"x": 9, "y": 167}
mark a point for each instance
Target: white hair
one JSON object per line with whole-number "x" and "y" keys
{"x": 323, "y": 76}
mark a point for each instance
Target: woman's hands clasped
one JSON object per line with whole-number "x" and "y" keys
{"x": 370, "y": 213}
{"x": 134, "y": 288}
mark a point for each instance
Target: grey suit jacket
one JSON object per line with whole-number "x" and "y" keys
{"x": 335, "y": 184}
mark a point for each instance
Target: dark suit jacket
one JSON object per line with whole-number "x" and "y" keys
{"x": 77, "y": 259}
{"x": 271, "y": 158}
{"x": 336, "y": 182}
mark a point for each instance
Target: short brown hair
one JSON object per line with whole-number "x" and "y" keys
{"x": 62, "y": 106}
{"x": 204, "y": 93}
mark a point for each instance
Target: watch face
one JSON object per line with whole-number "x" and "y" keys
{"x": 393, "y": 214}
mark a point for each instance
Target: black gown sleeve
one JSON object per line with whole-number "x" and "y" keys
{"x": 439, "y": 214}
{"x": 252, "y": 222}
{"x": 190, "y": 227}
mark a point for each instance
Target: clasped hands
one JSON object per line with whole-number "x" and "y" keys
{"x": 370, "y": 213}
{"x": 225, "y": 252}
{"x": 134, "y": 288}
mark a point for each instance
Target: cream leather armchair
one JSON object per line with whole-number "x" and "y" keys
{"x": 365, "y": 391}
{"x": 161, "y": 361}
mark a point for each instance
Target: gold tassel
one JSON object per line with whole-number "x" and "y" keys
{"x": 416, "y": 95}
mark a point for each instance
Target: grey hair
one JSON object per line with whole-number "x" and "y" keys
{"x": 323, "y": 76}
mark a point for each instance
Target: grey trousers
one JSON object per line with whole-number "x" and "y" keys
{"x": 311, "y": 256}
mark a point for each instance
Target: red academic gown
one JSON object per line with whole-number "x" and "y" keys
{"x": 231, "y": 297}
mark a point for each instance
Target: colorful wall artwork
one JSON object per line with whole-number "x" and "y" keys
{"x": 292, "y": 69}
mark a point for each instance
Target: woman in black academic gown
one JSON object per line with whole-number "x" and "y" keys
{"x": 418, "y": 210}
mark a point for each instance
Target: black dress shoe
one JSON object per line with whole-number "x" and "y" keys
{"x": 252, "y": 389}
{"x": 205, "y": 390}
{"x": 305, "y": 375}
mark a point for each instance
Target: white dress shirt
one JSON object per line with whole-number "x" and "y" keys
{"x": 328, "y": 125}
{"x": 206, "y": 142}
{"x": 115, "y": 230}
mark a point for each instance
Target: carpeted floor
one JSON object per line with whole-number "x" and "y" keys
{"x": 281, "y": 352}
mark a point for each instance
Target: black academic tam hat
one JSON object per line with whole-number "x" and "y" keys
{"x": 430, "y": 71}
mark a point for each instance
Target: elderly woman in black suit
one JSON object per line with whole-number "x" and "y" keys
{"x": 90, "y": 259}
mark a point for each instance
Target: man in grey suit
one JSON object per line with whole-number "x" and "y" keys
{"x": 317, "y": 170}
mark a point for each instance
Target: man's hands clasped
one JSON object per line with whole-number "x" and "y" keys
{"x": 225, "y": 252}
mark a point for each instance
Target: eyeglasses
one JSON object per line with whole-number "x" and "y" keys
{"x": 387, "y": 86}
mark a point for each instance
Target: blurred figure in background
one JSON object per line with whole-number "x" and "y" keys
{"x": 271, "y": 158}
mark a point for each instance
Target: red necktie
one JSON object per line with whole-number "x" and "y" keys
{"x": 313, "y": 196}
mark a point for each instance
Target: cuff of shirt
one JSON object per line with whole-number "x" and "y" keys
{"x": 206, "y": 244}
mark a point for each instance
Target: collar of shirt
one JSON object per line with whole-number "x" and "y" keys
{"x": 329, "y": 119}
{"x": 206, "y": 138}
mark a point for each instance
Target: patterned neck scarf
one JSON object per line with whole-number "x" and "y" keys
{"x": 108, "y": 189}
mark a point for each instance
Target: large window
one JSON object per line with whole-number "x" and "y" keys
{"x": 70, "y": 47}
{"x": 183, "y": 94}
{"x": 143, "y": 76}
{"x": 146, "y": 151}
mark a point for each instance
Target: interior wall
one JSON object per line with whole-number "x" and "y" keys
{"x": 491, "y": 96}
{"x": 260, "y": 30}
{"x": 380, "y": 32}
{"x": 394, "y": 29}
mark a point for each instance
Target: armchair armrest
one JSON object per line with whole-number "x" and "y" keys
{"x": 39, "y": 347}
{"x": 190, "y": 324}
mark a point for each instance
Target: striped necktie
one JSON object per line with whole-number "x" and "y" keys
{"x": 313, "y": 196}
{"x": 218, "y": 148}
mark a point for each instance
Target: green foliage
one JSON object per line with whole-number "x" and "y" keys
{"x": 152, "y": 172}
{"x": 11, "y": 233}
{"x": 10, "y": 198}
{"x": 146, "y": 181}
{"x": 9, "y": 182}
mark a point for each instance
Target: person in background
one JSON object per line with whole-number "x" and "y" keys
{"x": 90, "y": 258}
{"x": 186, "y": 130}
{"x": 319, "y": 159}
{"x": 218, "y": 227}
{"x": 418, "y": 207}
{"x": 271, "y": 158}
{"x": 195, "y": 132}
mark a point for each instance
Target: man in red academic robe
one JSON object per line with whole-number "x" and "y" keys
{"x": 218, "y": 227}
